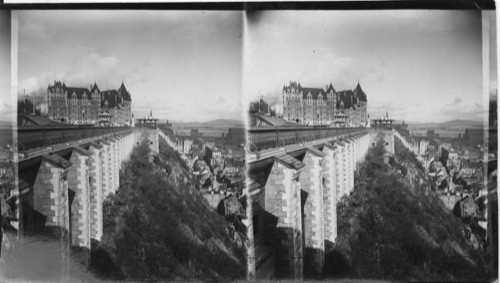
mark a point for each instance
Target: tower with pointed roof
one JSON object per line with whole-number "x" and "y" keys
{"x": 117, "y": 104}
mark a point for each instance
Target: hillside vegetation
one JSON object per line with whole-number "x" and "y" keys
{"x": 158, "y": 226}
{"x": 393, "y": 226}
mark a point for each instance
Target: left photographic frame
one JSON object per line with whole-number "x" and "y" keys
{"x": 130, "y": 146}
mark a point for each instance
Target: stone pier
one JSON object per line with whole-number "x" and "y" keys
{"x": 66, "y": 185}
{"x": 330, "y": 191}
{"x": 300, "y": 186}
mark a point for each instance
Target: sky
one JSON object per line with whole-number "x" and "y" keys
{"x": 5, "y": 101}
{"x": 423, "y": 66}
{"x": 181, "y": 65}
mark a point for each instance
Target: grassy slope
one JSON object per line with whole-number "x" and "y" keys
{"x": 394, "y": 227}
{"x": 159, "y": 227}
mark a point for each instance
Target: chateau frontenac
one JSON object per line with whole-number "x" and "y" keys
{"x": 74, "y": 105}
{"x": 324, "y": 106}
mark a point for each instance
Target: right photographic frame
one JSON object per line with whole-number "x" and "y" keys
{"x": 371, "y": 144}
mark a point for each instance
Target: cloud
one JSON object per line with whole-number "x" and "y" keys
{"x": 459, "y": 110}
{"x": 94, "y": 67}
{"x": 177, "y": 63}
{"x": 105, "y": 70}
{"x": 220, "y": 108}
{"x": 455, "y": 102}
{"x": 36, "y": 30}
{"x": 220, "y": 100}
{"x": 6, "y": 111}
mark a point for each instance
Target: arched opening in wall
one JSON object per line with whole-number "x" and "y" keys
{"x": 137, "y": 143}
{"x": 373, "y": 143}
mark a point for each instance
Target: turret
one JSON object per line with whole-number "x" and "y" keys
{"x": 94, "y": 88}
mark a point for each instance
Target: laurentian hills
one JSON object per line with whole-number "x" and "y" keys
{"x": 5, "y": 124}
{"x": 452, "y": 124}
{"x": 217, "y": 123}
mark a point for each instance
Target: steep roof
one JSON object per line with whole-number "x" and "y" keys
{"x": 110, "y": 96}
{"x": 79, "y": 91}
{"x": 330, "y": 87}
{"x": 292, "y": 85}
{"x": 315, "y": 92}
{"x": 94, "y": 88}
{"x": 57, "y": 84}
{"x": 344, "y": 97}
{"x": 123, "y": 92}
{"x": 120, "y": 93}
{"x": 358, "y": 92}
{"x": 115, "y": 97}
{"x": 305, "y": 90}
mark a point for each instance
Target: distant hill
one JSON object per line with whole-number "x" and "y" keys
{"x": 218, "y": 123}
{"x": 5, "y": 124}
{"x": 452, "y": 124}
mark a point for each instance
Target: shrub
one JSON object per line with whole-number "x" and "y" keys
{"x": 392, "y": 228}
{"x": 158, "y": 226}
